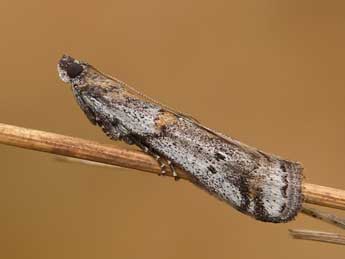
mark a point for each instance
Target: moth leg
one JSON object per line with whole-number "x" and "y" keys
{"x": 160, "y": 162}
{"x": 172, "y": 168}
{"x": 158, "y": 159}
{"x": 150, "y": 152}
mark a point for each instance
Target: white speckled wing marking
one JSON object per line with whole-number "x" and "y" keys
{"x": 250, "y": 180}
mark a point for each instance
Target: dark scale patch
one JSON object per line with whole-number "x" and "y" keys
{"x": 244, "y": 190}
{"x": 212, "y": 169}
{"x": 99, "y": 92}
{"x": 259, "y": 208}
{"x": 283, "y": 167}
{"x": 163, "y": 130}
{"x": 219, "y": 156}
{"x": 198, "y": 148}
{"x": 284, "y": 188}
{"x": 282, "y": 208}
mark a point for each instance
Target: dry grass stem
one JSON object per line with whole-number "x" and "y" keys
{"x": 318, "y": 236}
{"x": 112, "y": 155}
{"x": 326, "y": 217}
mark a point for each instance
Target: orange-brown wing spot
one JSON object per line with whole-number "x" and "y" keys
{"x": 165, "y": 119}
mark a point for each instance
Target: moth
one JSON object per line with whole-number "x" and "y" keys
{"x": 256, "y": 183}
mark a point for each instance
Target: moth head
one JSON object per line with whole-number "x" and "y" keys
{"x": 71, "y": 70}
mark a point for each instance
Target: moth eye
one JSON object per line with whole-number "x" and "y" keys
{"x": 74, "y": 69}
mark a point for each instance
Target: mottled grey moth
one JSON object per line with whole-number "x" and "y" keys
{"x": 261, "y": 185}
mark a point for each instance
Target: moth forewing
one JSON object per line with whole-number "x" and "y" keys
{"x": 256, "y": 183}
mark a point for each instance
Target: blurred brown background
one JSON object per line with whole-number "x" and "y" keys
{"x": 269, "y": 73}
